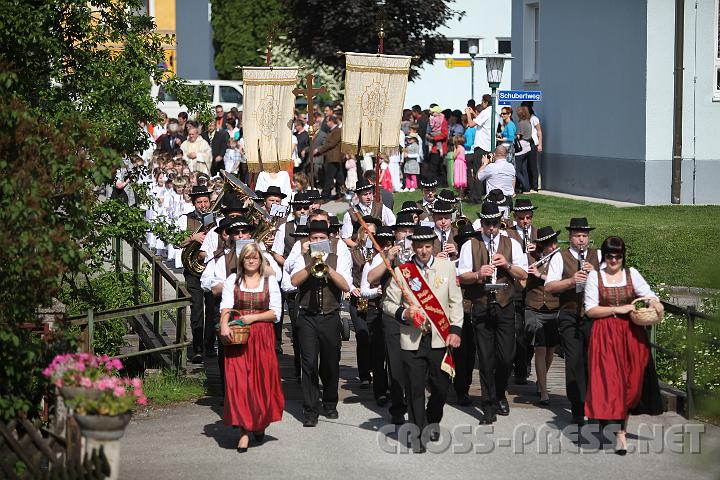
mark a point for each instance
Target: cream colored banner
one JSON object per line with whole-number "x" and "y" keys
{"x": 268, "y": 109}
{"x": 375, "y": 87}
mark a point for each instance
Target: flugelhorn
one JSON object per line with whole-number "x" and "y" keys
{"x": 544, "y": 259}
{"x": 460, "y": 219}
{"x": 319, "y": 269}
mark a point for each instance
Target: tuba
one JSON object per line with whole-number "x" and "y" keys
{"x": 460, "y": 219}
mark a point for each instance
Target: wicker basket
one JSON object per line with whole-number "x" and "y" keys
{"x": 240, "y": 335}
{"x": 644, "y": 316}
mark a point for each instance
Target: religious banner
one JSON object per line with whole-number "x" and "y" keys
{"x": 375, "y": 87}
{"x": 268, "y": 110}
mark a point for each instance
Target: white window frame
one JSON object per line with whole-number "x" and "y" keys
{"x": 716, "y": 70}
{"x": 531, "y": 41}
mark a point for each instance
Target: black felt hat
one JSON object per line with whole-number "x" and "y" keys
{"x": 318, "y": 226}
{"x": 200, "y": 191}
{"x": 314, "y": 195}
{"x": 423, "y": 233}
{"x": 523, "y": 205}
{"x": 496, "y": 196}
{"x": 231, "y": 223}
{"x": 404, "y": 220}
{"x": 441, "y": 206}
{"x": 362, "y": 185}
{"x": 300, "y": 198}
{"x": 427, "y": 182}
{"x": 231, "y": 203}
{"x": 546, "y": 234}
{"x": 410, "y": 207}
{"x": 385, "y": 233}
{"x": 446, "y": 196}
{"x": 465, "y": 232}
{"x": 335, "y": 224}
{"x": 273, "y": 191}
{"x": 490, "y": 211}
{"x": 579, "y": 224}
{"x": 300, "y": 231}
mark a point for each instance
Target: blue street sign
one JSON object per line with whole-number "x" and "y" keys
{"x": 519, "y": 96}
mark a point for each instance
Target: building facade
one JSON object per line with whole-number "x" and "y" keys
{"x": 606, "y": 73}
{"x": 486, "y": 25}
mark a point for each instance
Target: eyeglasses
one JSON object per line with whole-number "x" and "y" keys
{"x": 502, "y": 114}
{"x": 614, "y": 256}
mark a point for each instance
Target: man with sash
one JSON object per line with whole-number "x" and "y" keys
{"x": 524, "y": 233}
{"x": 429, "y": 188}
{"x": 366, "y": 206}
{"x": 378, "y": 276}
{"x": 566, "y": 277}
{"x": 430, "y": 322}
{"x": 444, "y": 245}
{"x": 489, "y": 266}
{"x": 202, "y": 331}
{"x": 318, "y": 321}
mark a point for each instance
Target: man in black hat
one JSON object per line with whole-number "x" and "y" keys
{"x": 489, "y": 266}
{"x": 444, "y": 246}
{"x": 524, "y": 233}
{"x": 318, "y": 299}
{"x": 411, "y": 208}
{"x": 429, "y": 188}
{"x": 541, "y": 308}
{"x": 366, "y": 206}
{"x": 429, "y": 323}
{"x": 272, "y": 196}
{"x": 230, "y": 206}
{"x": 315, "y": 199}
{"x": 566, "y": 277}
{"x": 283, "y": 238}
{"x": 378, "y": 276}
{"x": 192, "y": 222}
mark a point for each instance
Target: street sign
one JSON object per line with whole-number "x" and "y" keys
{"x": 519, "y": 96}
{"x": 457, "y": 62}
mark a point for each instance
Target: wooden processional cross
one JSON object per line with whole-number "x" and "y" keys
{"x": 309, "y": 92}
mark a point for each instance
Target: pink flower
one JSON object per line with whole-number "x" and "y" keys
{"x": 85, "y": 382}
{"x": 119, "y": 391}
{"x": 142, "y": 401}
{"x": 136, "y": 382}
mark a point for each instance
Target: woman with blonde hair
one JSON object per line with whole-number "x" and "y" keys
{"x": 253, "y": 394}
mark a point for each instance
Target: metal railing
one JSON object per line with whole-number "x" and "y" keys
{"x": 690, "y": 314}
{"x": 158, "y": 306}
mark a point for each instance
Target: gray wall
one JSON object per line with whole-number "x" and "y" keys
{"x": 592, "y": 74}
{"x": 195, "y": 51}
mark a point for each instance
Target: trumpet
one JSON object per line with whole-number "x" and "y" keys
{"x": 460, "y": 219}
{"x": 319, "y": 269}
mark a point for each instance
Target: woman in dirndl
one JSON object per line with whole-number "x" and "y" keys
{"x": 253, "y": 394}
{"x": 621, "y": 371}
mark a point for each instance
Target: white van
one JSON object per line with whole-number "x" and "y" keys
{"x": 228, "y": 93}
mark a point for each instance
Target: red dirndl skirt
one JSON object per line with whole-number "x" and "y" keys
{"x": 253, "y": 393}
{"x": 618, "y": 355}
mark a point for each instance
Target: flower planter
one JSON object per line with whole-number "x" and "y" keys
{"x": 73, "y": 392}
{"x": 103, "y": 427}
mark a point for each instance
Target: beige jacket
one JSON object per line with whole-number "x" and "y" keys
{"x": 442, "y": 280}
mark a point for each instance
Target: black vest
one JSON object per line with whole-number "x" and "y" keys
{"x": 319, "y": 295}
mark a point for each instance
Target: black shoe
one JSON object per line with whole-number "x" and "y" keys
{"x": 464, "y": 400}
{"x": 310, "y": 422}
{"x": 503, "y": 408}
{"x": 545, "y": 402}
{"x": 197, "y": 359}
{"x": 398, "y": 420}
{"x": 381, "y": 400}
{"x": 330, "y": 413}
{"x": 488, "y": 417}
{"x": 241, "y": 449}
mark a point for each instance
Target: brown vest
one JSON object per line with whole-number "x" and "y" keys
{"x": 477, "y": 293}
{"x": 319, "y": 296}
{"x": 450, "y": 239}
{"x": 289, "y": 239}
{"x": 358, "y": 259}
{"x": 193, "y": 222}
{"x": 535, "y": 295}
{"x": 515, "y": 235}
{"x": 569, "y": 300}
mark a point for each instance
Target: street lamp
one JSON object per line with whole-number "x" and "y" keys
{"x": 494, "y": 64}
{"x": 473, "y": 51}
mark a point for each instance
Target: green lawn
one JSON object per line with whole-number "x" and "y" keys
{"x": 674, "y": 245}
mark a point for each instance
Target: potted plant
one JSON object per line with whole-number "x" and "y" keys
{"x": 75, "y": 374}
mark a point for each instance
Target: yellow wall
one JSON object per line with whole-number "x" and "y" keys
{"x": 164, "y": 11}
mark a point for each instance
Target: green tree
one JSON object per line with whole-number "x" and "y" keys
{"x": 319, "y": 29}
{"x": 75, "y": 79}
{"x": 240, "y": 33}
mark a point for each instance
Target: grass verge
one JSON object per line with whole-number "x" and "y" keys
{"x": 167, "y": 387}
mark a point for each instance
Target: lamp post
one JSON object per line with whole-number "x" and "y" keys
{"x": 494, "y": 64}
{"x": 473, "y": 51}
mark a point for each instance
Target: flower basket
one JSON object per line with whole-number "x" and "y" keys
{"x": 644, "y": 315}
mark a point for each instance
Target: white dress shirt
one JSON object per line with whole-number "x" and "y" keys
{"x": 555, "y": 269}
{"x": 388, "y": 219}
{"x": 210, "y": 244}
{"x": 465, "y": 261}
{"x": 498, "y": 175}
{"x": 366, "y": 291}
{"x": 228, "y": 295}
{"x": 592, "y": 291}
{"x": 483, "y": 129}
{"x": 344, "y": 263}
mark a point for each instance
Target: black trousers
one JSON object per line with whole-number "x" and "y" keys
{"x": 320, "y": 336}
{"x": 391, "y": 331}
{"x": 495, "y": 342}
{"x": 278, "y": 326}
{"x": 362, "y": 342}
{"x": 574, "y": 338}
{"x": 422, "y": 368}
{"x": 334, "y": 174}
{"x": 293, "y": 314}
{"x": 532, "y": 166}
{"x": 476, "y": 188}
{"x": 376, "y": 349}
{"x": 521, "y": 357}
{"x": 197, "y": 310}
{"x": 464, "y": 359}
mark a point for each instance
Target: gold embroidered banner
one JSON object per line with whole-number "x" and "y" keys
{"x": 375, "y": 87}
{"x": 268, "y": 109}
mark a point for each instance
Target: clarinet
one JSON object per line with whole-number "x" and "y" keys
{"x": 525, "y": 239}
{"x": 493, "y": 278}
{"x": 580, "y": 286}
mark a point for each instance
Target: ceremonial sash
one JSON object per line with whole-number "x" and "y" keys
{"x": 432, "y": 308}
